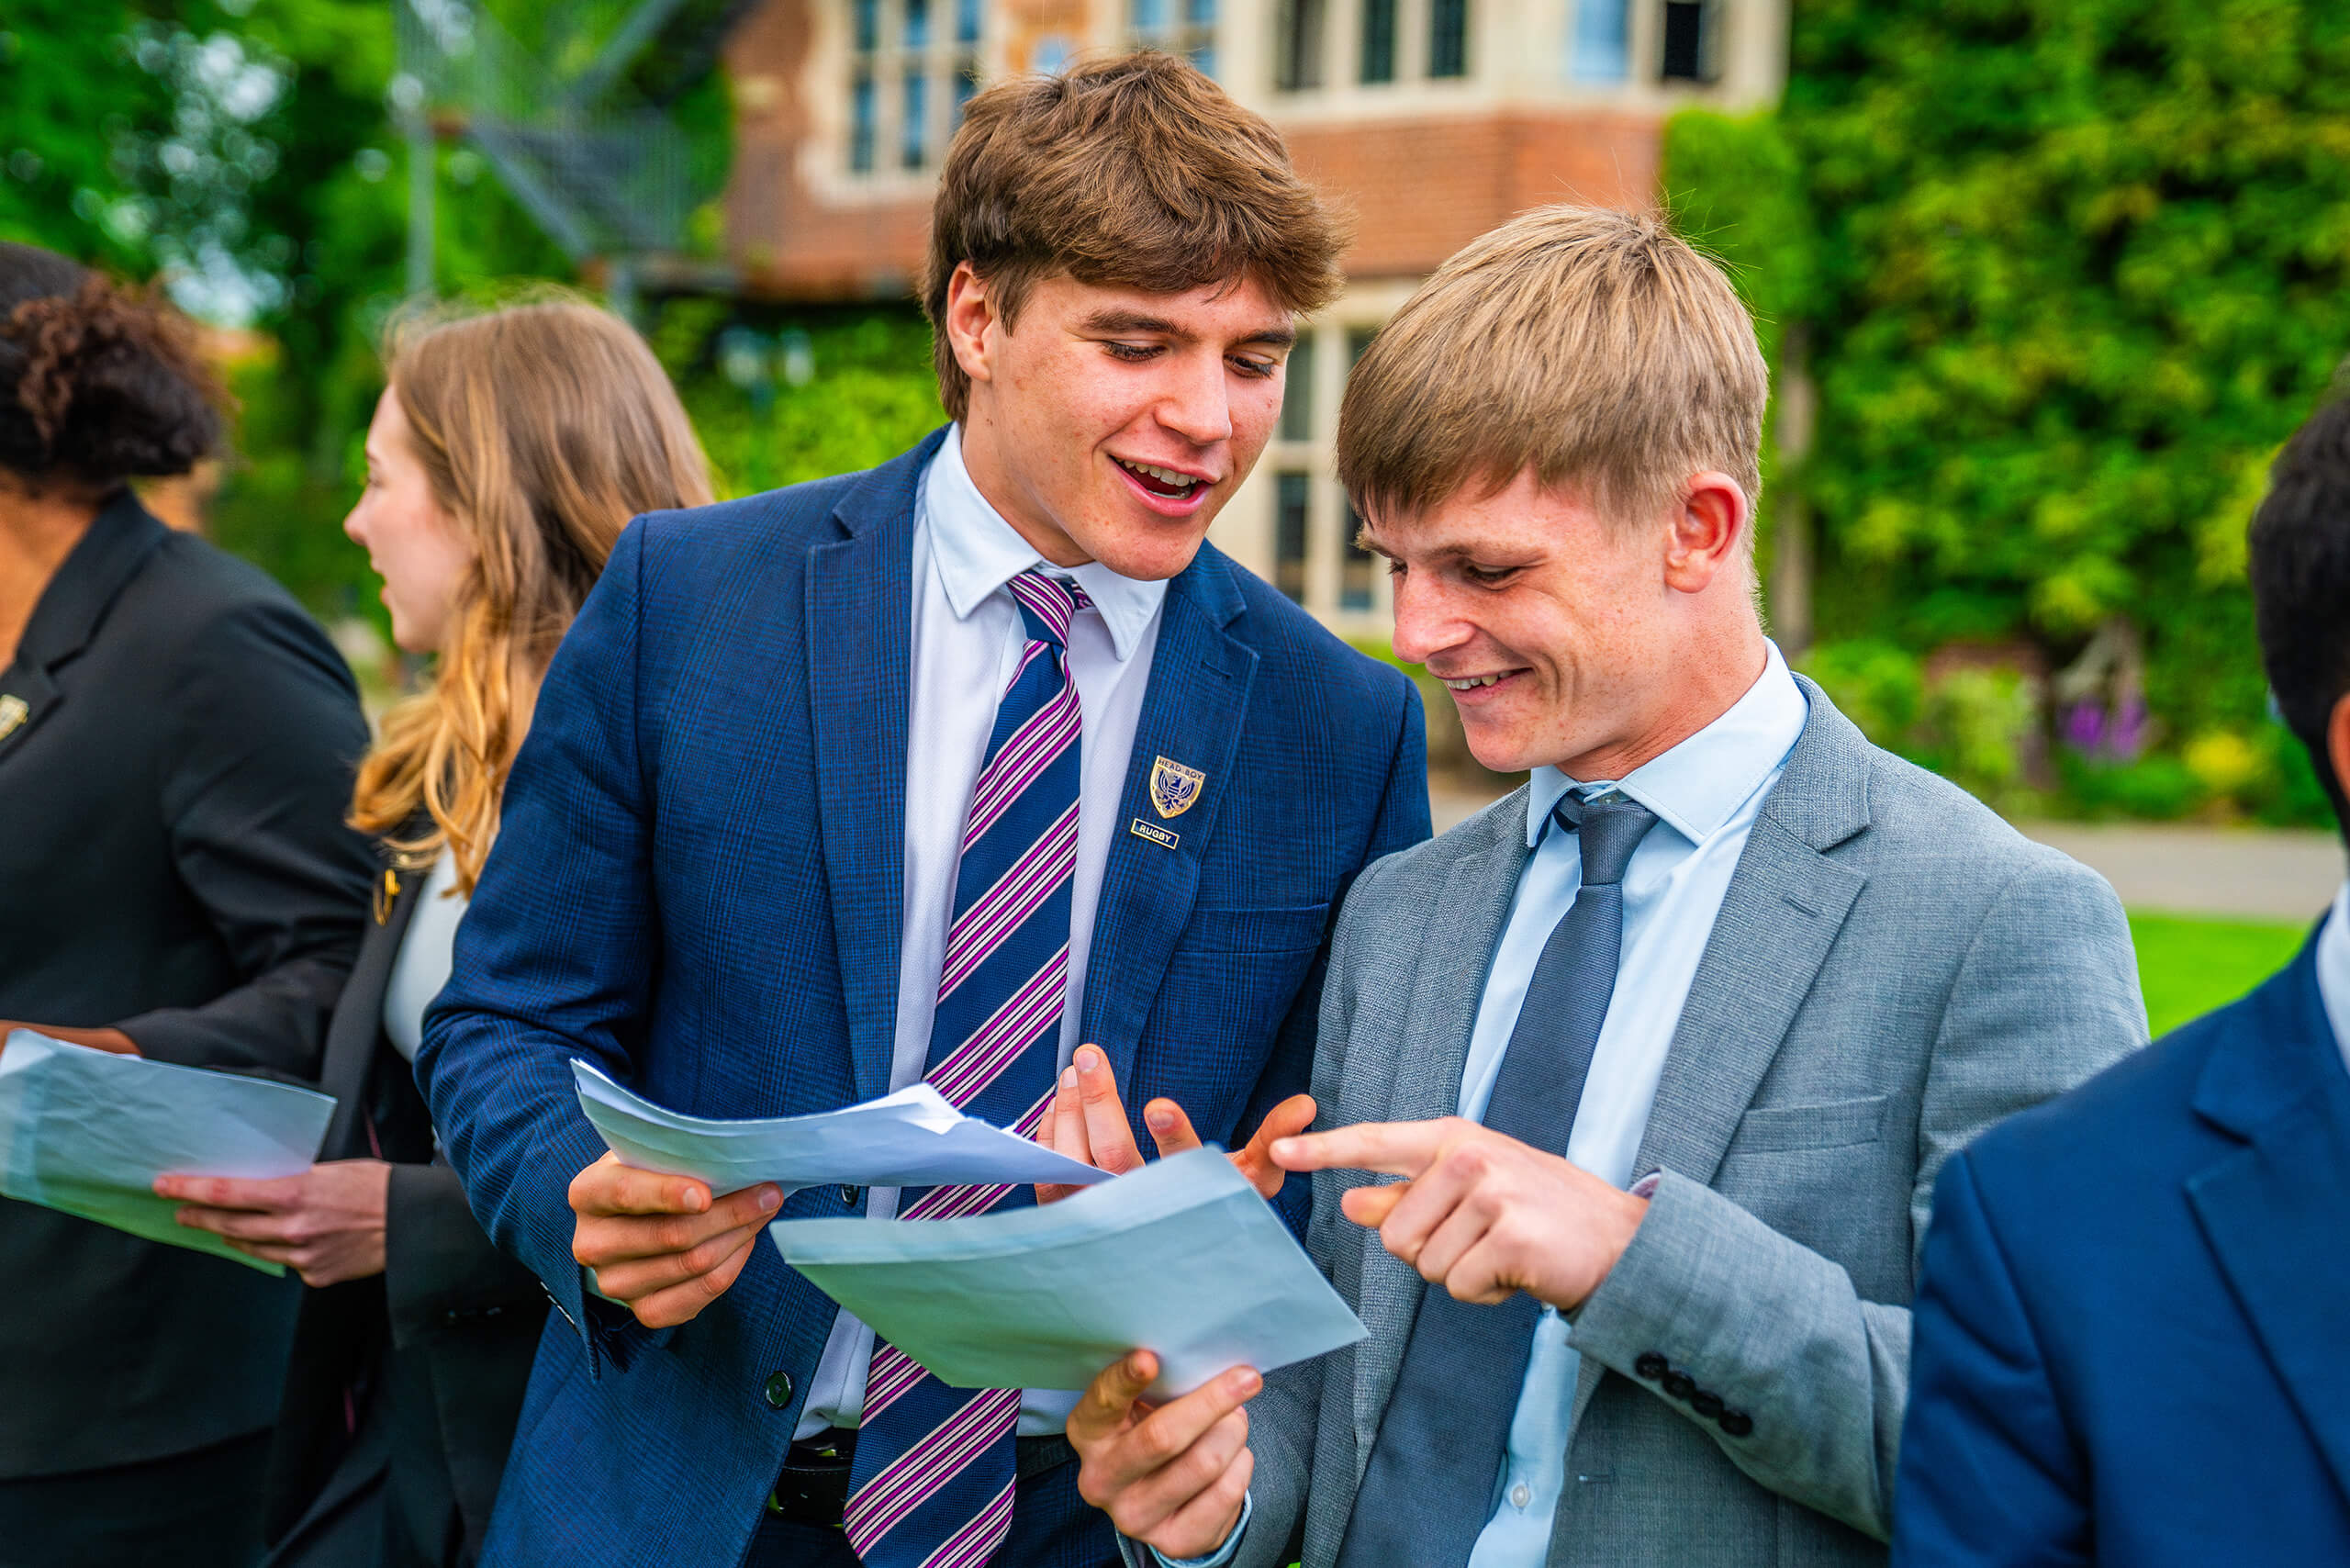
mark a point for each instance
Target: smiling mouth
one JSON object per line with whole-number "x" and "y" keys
{"x": 1472, "y": 682}
{"x": 1165, "y": 482}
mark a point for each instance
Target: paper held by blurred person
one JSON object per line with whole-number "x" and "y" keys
{"x": 177, "y": 880}
{"x": 505, "y": 455}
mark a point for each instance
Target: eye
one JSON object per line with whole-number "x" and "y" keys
{"x": 1255, "y": 369}
{"x": 1132, "y": 353}
{"x": 1488, "y": 577}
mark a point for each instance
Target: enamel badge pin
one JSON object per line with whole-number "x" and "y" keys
{"x": 13, "y": 712}
{"x": 1174, "y": 788}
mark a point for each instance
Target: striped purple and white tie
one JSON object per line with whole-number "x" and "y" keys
{"x": 932, "y": 1483}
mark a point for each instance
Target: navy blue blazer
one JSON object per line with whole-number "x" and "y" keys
{"x": 2133, "y": 1336}
{"x": 696, "y": 886}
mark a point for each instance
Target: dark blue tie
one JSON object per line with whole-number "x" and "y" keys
{"x": 1428, "y": 1491}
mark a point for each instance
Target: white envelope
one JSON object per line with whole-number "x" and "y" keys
{"x": 912, "y": 1138}
{"x": 1182, "y": 1257}
{"x": 86, "y": 1132}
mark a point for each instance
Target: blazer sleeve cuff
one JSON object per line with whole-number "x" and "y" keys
{"x": 1674, "y": 1300}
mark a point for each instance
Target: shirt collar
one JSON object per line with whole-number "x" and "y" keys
{"x": 1698, "y": 785}
{"x": 977, "y": 552}
{"x": 2333, "y": 970}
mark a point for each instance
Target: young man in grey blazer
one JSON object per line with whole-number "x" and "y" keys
{"x": 1634, "y": 1087}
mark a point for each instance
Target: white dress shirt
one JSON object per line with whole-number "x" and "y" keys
{"x": 1706, "y": 793}
{"x": 428, "y": 950}
{"x": 968, "y": 637}
{"x": 2333, "y": 970}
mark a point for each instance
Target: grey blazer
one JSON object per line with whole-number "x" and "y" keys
{"x": 1894, "y": 969}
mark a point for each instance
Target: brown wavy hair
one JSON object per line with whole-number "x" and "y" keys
{"x": 542, "y": 429}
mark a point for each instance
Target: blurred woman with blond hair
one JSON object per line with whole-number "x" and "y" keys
{"x": 507, "y": 452}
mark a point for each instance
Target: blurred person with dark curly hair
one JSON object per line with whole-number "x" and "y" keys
{"x": 177, "y": 880}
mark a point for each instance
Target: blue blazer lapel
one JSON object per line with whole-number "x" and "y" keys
{"x": 860, "y": 633}
{"x": 1192, "y": 715}
{"x": 2272, "y": 1210}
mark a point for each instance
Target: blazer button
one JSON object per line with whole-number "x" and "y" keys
{"x": 851, "y": 1196}
{"x": 1737, "y": 1423}
{"x": 778, "y": 1390}
{"x": 1680, "y": 1384}
{"x": 1651, "y": 1366}
{"x": 1705, "y": 1403}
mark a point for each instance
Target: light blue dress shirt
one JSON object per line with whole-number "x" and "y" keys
{"x": 1706, "y": 793}
{"x": 2333, "y": 970}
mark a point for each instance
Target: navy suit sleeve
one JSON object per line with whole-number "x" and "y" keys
{"x": 555, "y": 958}
{"x": 1989, "y": 1476}
{"x": 1401, "y": 821}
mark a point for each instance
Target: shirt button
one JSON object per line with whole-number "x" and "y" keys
{"x": 852, "y": 1196}
{"x": 778, "y": 1390}
{"x": 1520, "y": 1494}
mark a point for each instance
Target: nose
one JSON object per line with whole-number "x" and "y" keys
{"x": 1198, "y": 405}
{"x": 1426, "y": 622}
{"x": 351, "y": 529}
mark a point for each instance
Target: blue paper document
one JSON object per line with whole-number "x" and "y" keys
{"x": 1182, "y": 1257}
{"x": 912, "y": 1138}
{"x": 86, "y": 1132}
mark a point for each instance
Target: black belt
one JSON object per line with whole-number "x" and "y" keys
{"x": 813, "y": 1487}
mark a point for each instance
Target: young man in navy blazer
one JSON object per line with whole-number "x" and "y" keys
{"x": 929, "y": 772}
{"x": 2132, "y": 1338}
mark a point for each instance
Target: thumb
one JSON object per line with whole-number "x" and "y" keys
{"x": 1289, "y": 1118}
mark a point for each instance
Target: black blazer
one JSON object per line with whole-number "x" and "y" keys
{"x": 176, "y": 742}
{"x": 406, "y": 1386}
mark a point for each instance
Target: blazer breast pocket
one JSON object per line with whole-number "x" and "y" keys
{"x": 1285, "y": 930}
{"x": 1837, "y": 1124}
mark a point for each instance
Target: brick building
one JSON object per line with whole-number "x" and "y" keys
{"x": 1432, "y": 119}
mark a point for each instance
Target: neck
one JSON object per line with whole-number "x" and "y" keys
{"x": 39, "y": 528}
{"x": 983, "y": 459}
{"x": 1711, "y": 673}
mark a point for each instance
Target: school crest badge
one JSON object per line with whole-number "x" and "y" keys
{"x": 14, "y": 711}
{"x": 1174, "y": 788}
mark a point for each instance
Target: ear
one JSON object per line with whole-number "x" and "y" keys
{"x": 970, "y": 312}
{"x": 1709, "y": 530}
{"x": 2337, "y": 741}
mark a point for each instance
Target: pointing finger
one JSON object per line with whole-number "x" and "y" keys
{"x": 1393, "y": 1148}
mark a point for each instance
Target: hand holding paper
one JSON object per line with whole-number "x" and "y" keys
{"x": 666, "y": 1220}
{"x": 87, "y": 1132}
{"x": 1088, "y": 1122}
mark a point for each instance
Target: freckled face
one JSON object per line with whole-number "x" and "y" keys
{"x": 1548, "y": 621}
{"x": 1113, "y": 425}
{"x": 412, "y": 544}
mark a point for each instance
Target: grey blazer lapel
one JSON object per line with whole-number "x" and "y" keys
{"x": 1786, "y": 902}
{"x": 1464, "y": 925}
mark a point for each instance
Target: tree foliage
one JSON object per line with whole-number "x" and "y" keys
{"x": 2074, "y": 269}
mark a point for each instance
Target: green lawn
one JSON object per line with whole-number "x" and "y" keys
{"x": 2187, "y": 967}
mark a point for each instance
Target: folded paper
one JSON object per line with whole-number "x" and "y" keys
{"x": 912, "y": 1138}
{"x": 1182, "y": 1257}
{"x": 86, "y": 1132}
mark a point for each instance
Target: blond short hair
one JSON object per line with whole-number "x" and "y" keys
{"x": 1594, "y": 347}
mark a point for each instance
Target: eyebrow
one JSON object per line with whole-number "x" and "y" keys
{"x": 1114, "y": 321}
